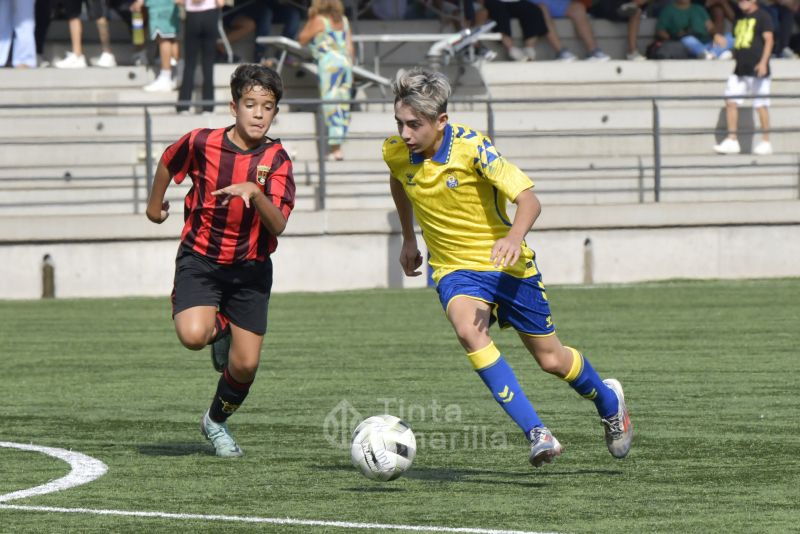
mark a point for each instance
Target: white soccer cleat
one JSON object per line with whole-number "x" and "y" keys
{"x": 220, "y": 437}
{"x": 728, "y": 146}
{"x": 544, "y": 446}
{"x": 764, "y": 148}
{"x": 618, "y": 427}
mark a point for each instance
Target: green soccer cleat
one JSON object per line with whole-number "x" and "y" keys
{"x": 220, "y": 348}
{"x": 544, "y": 446}
{"x": 618, "y": 427}
{"x": 220, "y": 437}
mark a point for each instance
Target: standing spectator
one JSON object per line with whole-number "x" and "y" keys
{"x": 623, "y": 11}
{"x": 782, "y": 13}
{"x": 574, "y": 10}
{"x": 200, "y": 38}
{"x": 752, "y": 49}
{"x": 16, "y": 21}
{"x": 98, "y": 10}
{"x": 43, "y": 15}
{"x": 531, "y": 20}
{"x": 327, "y": 33}
{"x": 163, "y": 22}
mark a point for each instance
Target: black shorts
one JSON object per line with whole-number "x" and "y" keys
{"x": 240, "y": 290}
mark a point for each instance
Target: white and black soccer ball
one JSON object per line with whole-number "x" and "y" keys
{"x": 383, "y": 447}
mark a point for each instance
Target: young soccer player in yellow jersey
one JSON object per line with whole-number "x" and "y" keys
{"x": 456, "y": 184}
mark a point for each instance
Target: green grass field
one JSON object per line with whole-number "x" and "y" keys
{"x": 710, "y": 371}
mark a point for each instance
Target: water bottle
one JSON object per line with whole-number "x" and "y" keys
{"x": 137, "y": 23}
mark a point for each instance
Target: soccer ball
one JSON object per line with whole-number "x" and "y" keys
{"x": 383, "y": 447}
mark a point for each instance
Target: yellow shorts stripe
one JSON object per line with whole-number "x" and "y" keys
{"x": 484, "y": 357}
{"x": 577, "y": 365}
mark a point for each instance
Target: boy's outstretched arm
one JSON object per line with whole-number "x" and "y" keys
{"x": 158, "y": 209}
{"x": 506, "y": 250}
{"x": 410, "y": 256}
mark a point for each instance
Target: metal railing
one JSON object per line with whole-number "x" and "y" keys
{"x": 646, "y": 175}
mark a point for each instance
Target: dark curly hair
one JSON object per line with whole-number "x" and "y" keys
{"x": 250, "y": 75}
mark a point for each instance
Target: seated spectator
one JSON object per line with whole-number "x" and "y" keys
{"x": 691, "y": 24}
{"x": 722, "y": 12}
{"x": 531, "y": 20}
{"x": 282, "y": 11}
{"x": 782, "y": 13}
{"x": 239, "y": 21}
{"x": 98, "y": 10}
{"x": 574, "y": 10}
{"x": 17, "y": 22}
{"x": 462, "y": 15}
{"x": 626, "y": 11}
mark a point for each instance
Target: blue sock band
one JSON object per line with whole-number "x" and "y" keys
{"x": 501, "y": 381}
{"x": 585, "y": 380}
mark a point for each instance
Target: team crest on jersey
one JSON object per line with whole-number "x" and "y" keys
{"x": 452, "y": 182}
{"x": 262, "y": 172}
{"x": 410, "y": 179}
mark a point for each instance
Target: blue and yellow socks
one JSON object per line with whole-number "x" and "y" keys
{"x": 585, "y": 380}
{"x": 500, "y": 379}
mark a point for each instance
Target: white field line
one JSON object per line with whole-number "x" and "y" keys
{"x": 84, "y": 469}
{"x": 268, "y": 520}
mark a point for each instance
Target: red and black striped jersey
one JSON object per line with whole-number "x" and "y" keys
{"x": 231, "y": 233}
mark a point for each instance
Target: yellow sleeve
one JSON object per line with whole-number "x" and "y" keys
{"x": 497, "y": 170}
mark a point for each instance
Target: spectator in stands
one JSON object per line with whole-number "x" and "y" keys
{"x": 98, "y": 10}
{"x": 328, "y": 35}
{"x": 200, "y": 37}
{"x": 465, "y": 14}
{"x": 17, "y": 23}
{"x": 574, "y": 10}
{"x": 239, "y": 21}
{"x": 691, "y": 24}
{"x": 43, "y": 14}
{"x": 163, "y": 21}
{"x": 282, "y": 11}
{"x": 722, "y": 12}
{"x": 752, "y": 50}
{"x": 782, "y": 13}
{"x": 531, "y": 20}
{"x": 626, "y": 11}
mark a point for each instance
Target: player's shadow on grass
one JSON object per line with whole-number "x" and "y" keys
{"x": 486, "y": 476}
{"x": 173, "y": 449}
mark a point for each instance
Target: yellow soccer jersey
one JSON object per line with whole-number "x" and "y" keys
{"x": 459, "y": 198}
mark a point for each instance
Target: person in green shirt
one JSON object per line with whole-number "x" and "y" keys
{"x": 690, "y": 23}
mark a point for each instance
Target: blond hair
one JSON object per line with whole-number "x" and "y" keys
{"x": 424, "y": 90}
{"x": 329, "y": 8}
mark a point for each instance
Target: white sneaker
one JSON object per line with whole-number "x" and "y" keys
{"x": 530, "y": 52}
{"x": 708, "y": 55}
{"x": 41, "y": 61}
{"x": 728, "y": 146}
{"x": 516, "y": 54}
{"x": 725, "y": 54}
{"x": 162, "y": 84}
{"x": 764, "y": 148}
{"x": 566, "y": 56}
{"x": 597, "y": 55}
{"x": 106, "y": 60}
{"x": 635, "y": 56}
{"x": 71, "y": 61}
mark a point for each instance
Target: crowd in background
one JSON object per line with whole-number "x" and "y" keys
{"x": 702, "y": 26}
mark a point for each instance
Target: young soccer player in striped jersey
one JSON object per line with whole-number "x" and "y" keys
{"x": 455, "y": 183}
{"x": 241, "y": 196}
